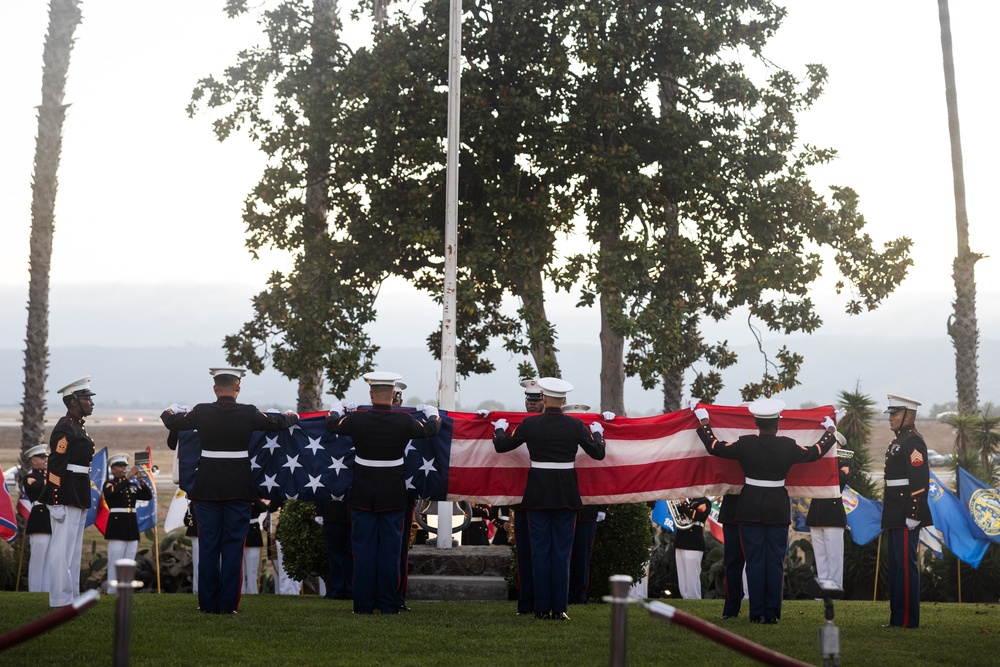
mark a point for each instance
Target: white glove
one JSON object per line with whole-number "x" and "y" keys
{"x": 482, "y": 413}
{"x": 691, "y": 403}
{"x": 601, "y": 516}
{"x": 596, "y": 428}
{"x": 177, "y": 409}
{"x": 828, "y": 423}
{"x": 839, "y": 414}
{"x": 291, "y": 413}
{"x": 912, "y": 524}
{"x": 431, "y": 411}
{"x": 350, "y": 407}
{"x": 608, "y": 416}
{"x": 319, "y": 520}
{"x": 271, "y": 411}
{"x": 500, "y": 424}
{"x": 337, "y": 408}
{"x": 58, "y": 513}
{"x": 701, "y": 414}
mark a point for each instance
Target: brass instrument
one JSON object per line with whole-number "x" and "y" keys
{"x": 680, "y": 512}
{"x": 844, "y": 453}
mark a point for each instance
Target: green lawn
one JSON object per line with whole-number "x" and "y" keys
{"x": 308, "y": 630}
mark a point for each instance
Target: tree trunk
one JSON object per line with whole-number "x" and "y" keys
{"x": 612, "y": 359}
{"x": 540, "y": 331}
{"x": 962, "y": 325}
{"x": 64, "y": 17}
{"x": 673, "y": 390}
{"x": 310, "y": 392}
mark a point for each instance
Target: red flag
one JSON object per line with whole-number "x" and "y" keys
{"x": 101, "y": 522}
{"x": 23, "y": 506}
{"x": 8, "y": 520}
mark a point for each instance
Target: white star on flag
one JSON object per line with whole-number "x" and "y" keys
{"x": 272, "y": 443}
{"x": 295, "y": 497}
{"x": 338, "y": 465}
{"x": 292, "y": 463}
{"x": 269, "y": 482}
{"x": 314, "y": 445}
{"x": 253, "y": 463}
{"x": 428, "y": 466}
{"x": 409, "y": 448}
{"x": 314, "y": 483}
{"x": 291, "y": 429}
{"x": 409, "y": 483}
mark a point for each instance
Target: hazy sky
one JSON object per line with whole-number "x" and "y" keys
{"x": 149, "y": 203}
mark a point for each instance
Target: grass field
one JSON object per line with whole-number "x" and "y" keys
{"x": 309, "y": 630}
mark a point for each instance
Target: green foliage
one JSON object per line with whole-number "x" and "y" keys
{"x": 9, "y": 556}
{"x": 976, "y": 442}
{"x": 856, "y": 427}
{"x": 303, "y": 550}
{"x": 621, "y": 546}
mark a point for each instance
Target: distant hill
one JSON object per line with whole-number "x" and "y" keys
{"x": 154, "y": 377}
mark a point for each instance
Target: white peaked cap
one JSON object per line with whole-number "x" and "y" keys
{"x": 400, "y": 386}
{"x": 82, "y": 386}
{"x": 238, "y": 372}
{"x": 897, "y": 403}
{"x": 37, "y": 450}
{"x": 118, "y": 458}
{"x": 382, "y": 378}
{"x": 576, "y": 407}
{"x": 531, "y": 388}
{"x": 766, "y": 408}
{"x": 555, "y": 387}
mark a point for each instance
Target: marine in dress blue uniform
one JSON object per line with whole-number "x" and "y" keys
{"x": 38, "y": 528}
{"x": 378, "y": 496}
{"x": 223, "y": 487}
{"x": 764, "y": 510}
{"x": 67, "y": 491}
{"x": 121, "y": 493}
{"x": 905, "y": 510}
{"x": 551, "y": 495}
{"x": 826, "y": 521}
{"x": 335, "y": 517}
{"x": 733, "y": 559}
{"x": 533, "y": 404}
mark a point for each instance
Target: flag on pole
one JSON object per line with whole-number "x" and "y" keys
{"x": 864, "y": 516}
{"x": 175, "y": 513}
{"x": 713, "y": 524}
{"x": 24, "y": 504}
{"x": 648, "y": 459}
{"x": 800, "y": 510}
{"x": 97, "y": 515}
{"x": 951, "y": 519}
{"x": 8, "y": 520}
{"x": 982, "y": 503}
{"x": 661, "y": 516}
{"x": 930, "y": 537}
{"x": 145, "y": 510}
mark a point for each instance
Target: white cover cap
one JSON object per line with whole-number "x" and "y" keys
{"x": 382, "y": 378}
{"x": 80, "y": 387}
{"x": 118, "y": 458}
{"x": 897, "y": 403}
{"x": 531, "y": 389}
{"x": 766, "y": 408}
{"x": 238, "y": 372}
{"x": 400, "y": 386}
{"x": 37, "y": 450}
{"x": 576, "y": 407}
{"x": 555, "y": 387}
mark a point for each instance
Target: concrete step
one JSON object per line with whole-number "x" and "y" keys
{"x": 488, "y": 561}
{"x": 455, "y": 587}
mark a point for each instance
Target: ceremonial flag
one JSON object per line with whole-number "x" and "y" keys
{"x": 661, "y": 516}
{"x": 713, "y": 524}
{"x": 930, "y": 537}
{"x": 951, "y": 519}
{"x": 98, "y": 475}
{"x": 650, "y": 458}
{"x": 175, "y": 513}
{"x": 8, "y": 520}
{"x": 800, "y": 510}
{"x": 864, "y": 516}
{"x": 24, "y": 504}
{"x": 982, "y": 503}
{"x": 145, "y": 510}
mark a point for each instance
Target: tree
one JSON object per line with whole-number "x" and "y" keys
{"x": 286, "y": 97}
{"x": 856, "y": 426}
{"x": 962, "y": 324}
{"x": 64, "y": 17}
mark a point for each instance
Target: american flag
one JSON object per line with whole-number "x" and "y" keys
{"x": 648, "y": 458}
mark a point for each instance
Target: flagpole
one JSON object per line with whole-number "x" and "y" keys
{"x": 958, "y": 564}
{"x": 156, "y": 541}
{"x": 878, "y": 559}
{"x": 446, "y": 392}
{"x": 20, "y": 558}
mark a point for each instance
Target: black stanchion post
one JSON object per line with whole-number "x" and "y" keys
{"x": 620, "y": 583}
{"x": 125, "y": 569}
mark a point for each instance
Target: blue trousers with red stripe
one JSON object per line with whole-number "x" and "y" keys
{"x": 525, "y": 569}
{"x": 376, "y": 539}
{"x": 734, "y": 561}
{"x": 904, "y": 577}
{"x": 222, "y": 531}
{"x": 579, "y": 562}
{"x": 551, "y": 533}
{"x": 764, "y": 545}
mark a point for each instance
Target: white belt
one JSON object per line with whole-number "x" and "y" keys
{"x": 72, "y": 467}
{"x": 121, "y": 510}
{"x": 475, "y": 518}
{"x": 255, "y": 522}
{"x": 374, "y": 463}
{"x": 37, "y": 503}
{"x": 553, "y": 465}
{"x": 503, "y": 517}
{"x": 772, "y": 483}
{"x": 218, "y": 454}
{"x": 897, "y": 482}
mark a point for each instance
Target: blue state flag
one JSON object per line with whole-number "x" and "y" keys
{"x": 930, "y": 537}
{"x": 661, "y": 516}
{"x": 950, "y": 518}
{"x": 982, "y": 503}
{"x": 864, "y": 516}
{"x": 800, "y": 510}
{"x": 145, "y": 510}
{"x": 98, "y": 475}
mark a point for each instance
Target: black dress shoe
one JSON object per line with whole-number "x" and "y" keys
{"x": 727, "y": 617}
{"x": 757, "y": 619}
{"x": 770, "y": 621}
{"x": 542, "y": 617}
{"x": 561, "y": 616}
{"x": 404, "y": 608}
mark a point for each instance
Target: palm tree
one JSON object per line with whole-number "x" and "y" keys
{"x": 856, "y": 426}
{"x": 64, "y": 17}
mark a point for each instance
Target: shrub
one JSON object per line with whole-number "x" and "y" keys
{"x": 621, "y": 546}
{"x": 303, "y": 550}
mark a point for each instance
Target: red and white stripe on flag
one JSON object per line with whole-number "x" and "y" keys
{"x": 648, "y": 458}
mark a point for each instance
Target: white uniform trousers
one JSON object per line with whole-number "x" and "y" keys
{"x": 65, "y": 551}
{"x": 689, "y": 573}
{"x": 828, "y": 547}
{"x": 284, "y": 584}
{"x": 38, "y": 566}
{"x": 194, "y": 564}
{"x": 251, "y": 569}
{"x": 118, "y": 549}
